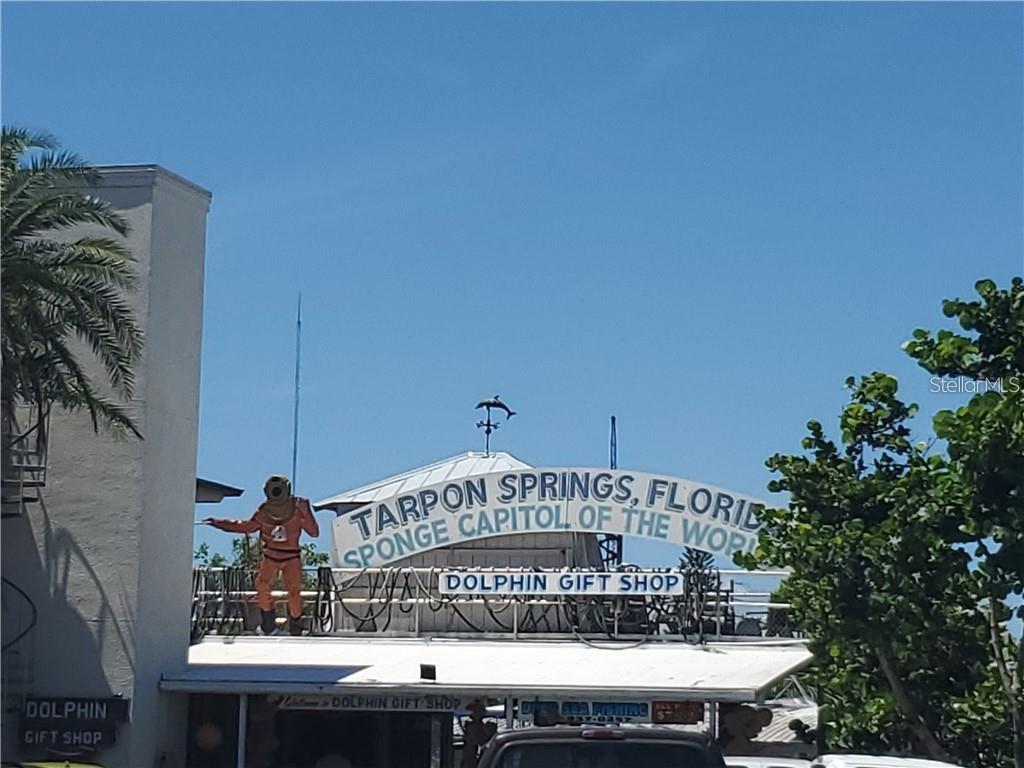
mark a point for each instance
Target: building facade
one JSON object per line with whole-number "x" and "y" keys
{"x": 116, "y": 650}
{"x": 96, "y": 575}
{"x": 401, "y": 651}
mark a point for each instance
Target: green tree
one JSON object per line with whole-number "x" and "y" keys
{"x": 203, "y": 558}
{"x": 57, "y": 288}
{"x": 246, "y": 553}
{"x": 890, "y": 607}
{"x": 905, "y": 561}
{"x": 985, "y": 443}
{"x": 697, "y": 560}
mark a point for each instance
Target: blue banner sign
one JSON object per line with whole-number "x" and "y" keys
{"x": 597, "y": 711}
{"x": 613, "y": 501}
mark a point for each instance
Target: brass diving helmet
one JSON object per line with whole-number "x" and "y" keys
{"x": 279, "y": 506}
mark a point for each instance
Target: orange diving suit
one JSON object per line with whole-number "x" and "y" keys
{"x": 280, "y": 520}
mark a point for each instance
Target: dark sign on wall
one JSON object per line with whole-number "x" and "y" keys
{"x": 71, "y": 726}
{"x": 677, "y": 712}
{"x": 551, "y": 712}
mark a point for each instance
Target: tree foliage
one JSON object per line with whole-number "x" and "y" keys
{"x": 246, "y": 553}
{"x": 901, "y": 556}
{"x": 985, "y": 437}
{"x": 985, "y": 444}
{"x": 696, "y": 559}
{"x": 57, "y": 288}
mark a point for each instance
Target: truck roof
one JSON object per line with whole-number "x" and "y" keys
{"x": 569, "y": 732}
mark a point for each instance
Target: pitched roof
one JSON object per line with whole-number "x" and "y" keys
{"x": 467, "y": 464}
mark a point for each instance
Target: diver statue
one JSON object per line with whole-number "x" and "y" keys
{"x": 280, "y": 521}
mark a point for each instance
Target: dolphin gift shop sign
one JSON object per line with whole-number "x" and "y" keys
{"x": 544, "y": 501}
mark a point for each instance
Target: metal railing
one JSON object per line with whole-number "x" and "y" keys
{"x": 23, "y": 448}
{"x": 408, "y": 602}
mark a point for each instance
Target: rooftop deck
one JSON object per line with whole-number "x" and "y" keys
{"x": 407, "y": 602}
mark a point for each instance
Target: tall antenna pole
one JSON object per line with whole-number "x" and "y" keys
{"x": 295, "y": 415}
{"x": 611, "y": 543}
{"x": 613, "y": 448}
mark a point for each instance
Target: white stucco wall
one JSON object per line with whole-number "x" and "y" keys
{"x": 106, "y": 554}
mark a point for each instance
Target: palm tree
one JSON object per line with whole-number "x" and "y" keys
{"x": 57, "y": 288}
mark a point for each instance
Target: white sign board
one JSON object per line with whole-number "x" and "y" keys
{"x": 350, "y": 702}
{"x": 561, "y": 583}
{"x": 657, "y": 507}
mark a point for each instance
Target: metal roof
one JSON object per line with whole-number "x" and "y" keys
{"x": 630, "y": 730}
{"x": 463, "y": 465}
{"x": 473, "y": 667}
{"x": 784, "y": 712}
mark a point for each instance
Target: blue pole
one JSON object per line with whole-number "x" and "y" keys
{"x": 295, "y": 417}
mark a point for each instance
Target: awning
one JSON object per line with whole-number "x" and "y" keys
{"x": 210, "y": 492}
{"x": 725, "y": 671}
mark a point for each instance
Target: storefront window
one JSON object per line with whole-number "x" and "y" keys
{"x": 298, "y": 738}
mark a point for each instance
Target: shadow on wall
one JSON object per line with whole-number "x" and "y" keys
{"x": 63, "y": 654}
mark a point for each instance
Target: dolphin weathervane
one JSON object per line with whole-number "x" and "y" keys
{"x": 489, "y": 426}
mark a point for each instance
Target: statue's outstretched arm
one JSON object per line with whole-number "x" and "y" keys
{"x": 235, "y": 526}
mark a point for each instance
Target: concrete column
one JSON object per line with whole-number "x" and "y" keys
{"x": 106, "y": 554}
{"x": 243, "y": 729}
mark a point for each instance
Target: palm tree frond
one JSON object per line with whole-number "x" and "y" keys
{"x": 54, "y": 291}
{"x": 99, "y": 257}
{"x": 60, "y": 211}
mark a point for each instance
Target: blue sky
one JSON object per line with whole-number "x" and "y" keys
{"x": 700, "y": 218}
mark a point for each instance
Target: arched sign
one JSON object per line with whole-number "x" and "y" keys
{"x": 544, "y": 501}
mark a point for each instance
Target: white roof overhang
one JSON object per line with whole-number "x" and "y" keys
{"x": 728, "y": 671}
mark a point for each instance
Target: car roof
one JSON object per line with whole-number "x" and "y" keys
{"x": 765, "y": 761}
{"x": 878, "y": 761}
{"x": 558, "y": 732}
